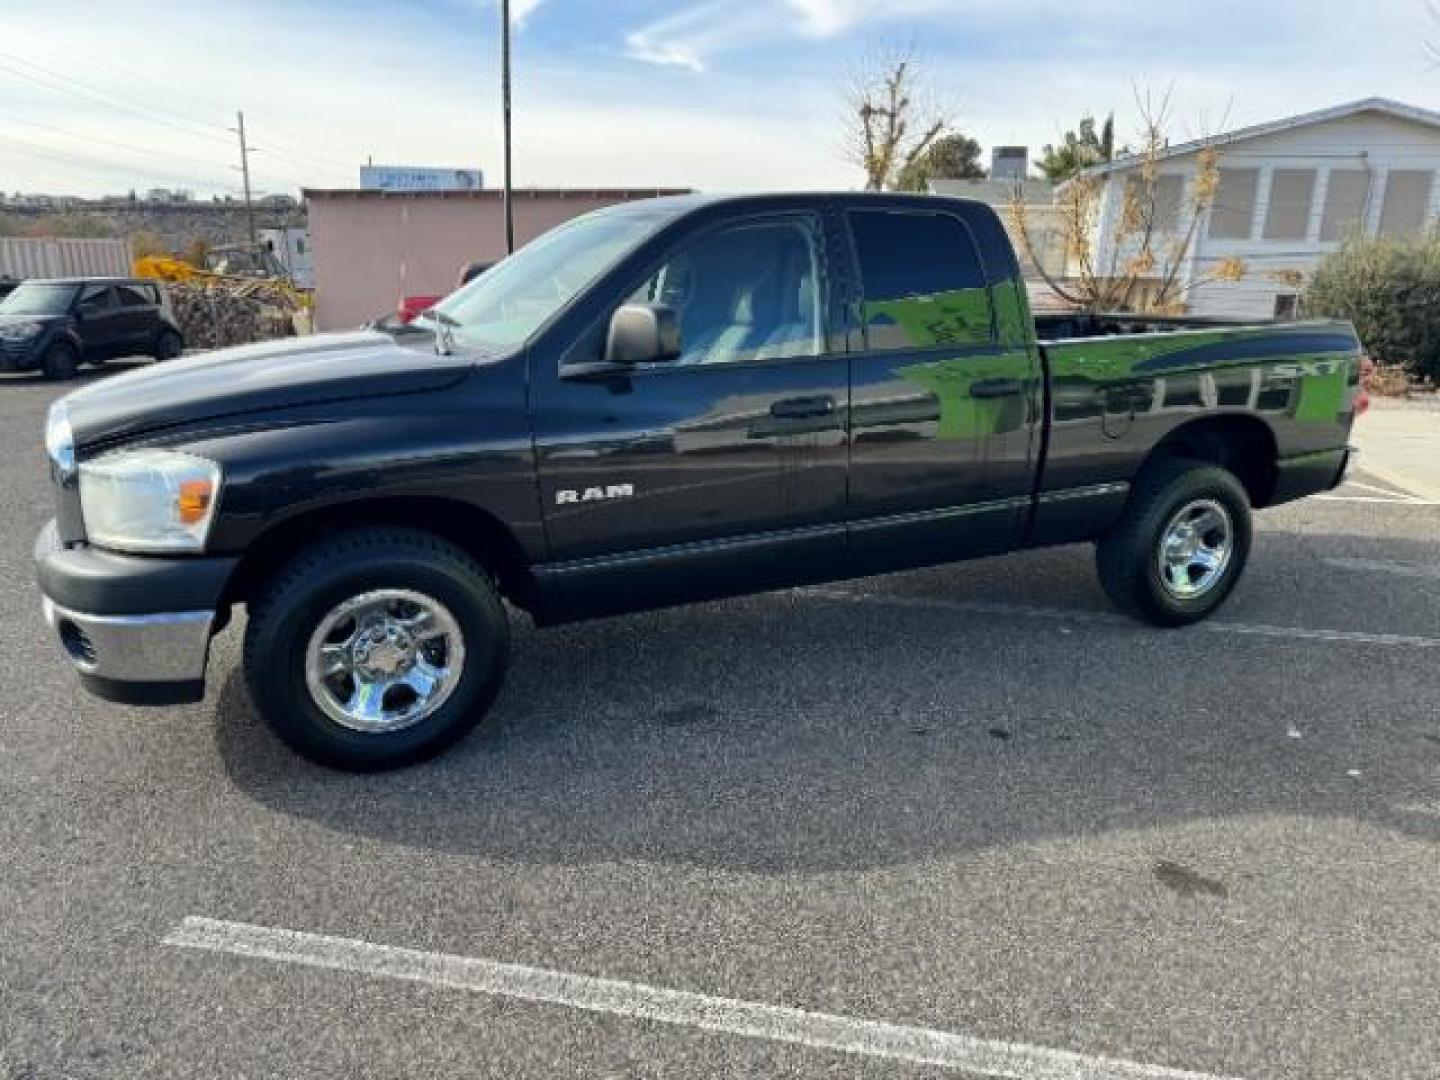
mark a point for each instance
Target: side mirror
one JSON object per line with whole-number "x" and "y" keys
{"x": 642, "y": 334}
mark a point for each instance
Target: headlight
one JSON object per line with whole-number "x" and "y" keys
{"x": 19, "y": 331}
{"x": 60, "y": 441}
{"x": 149, "y": 500}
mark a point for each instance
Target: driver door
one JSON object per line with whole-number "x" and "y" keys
{"x": 722, "y": 471}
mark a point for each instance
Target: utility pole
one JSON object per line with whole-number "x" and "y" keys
{"x": 245, "y": 149}
{"x": 505, "y": 95}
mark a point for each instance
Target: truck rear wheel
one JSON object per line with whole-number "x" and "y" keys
{"x": 376, "y": 649}
{"x": 1181, "y": 544}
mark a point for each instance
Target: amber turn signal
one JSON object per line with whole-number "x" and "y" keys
{"x": 194, "y": 501}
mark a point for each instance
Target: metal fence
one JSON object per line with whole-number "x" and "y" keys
{"x": 23, "y": 257}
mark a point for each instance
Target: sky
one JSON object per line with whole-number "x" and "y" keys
{"x": 721, "y": 95}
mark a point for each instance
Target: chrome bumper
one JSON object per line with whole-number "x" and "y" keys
{"x": 118, "y": 656}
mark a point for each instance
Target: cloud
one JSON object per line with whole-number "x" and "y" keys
{"x": 765, "y": 115}
{"x": 689, "y": 37}
{"x": 826, "y": 18}
{"x": 520, "y": 10}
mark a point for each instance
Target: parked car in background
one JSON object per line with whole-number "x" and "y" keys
{"x": 56, "y": 325}
{"x": 412, "y": 306}
{"x": 661, "y": 402}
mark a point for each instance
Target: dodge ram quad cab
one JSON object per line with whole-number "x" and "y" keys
{"x": 657, "y": 403}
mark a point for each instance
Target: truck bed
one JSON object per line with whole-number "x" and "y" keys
{"x": 1119, "y": 385}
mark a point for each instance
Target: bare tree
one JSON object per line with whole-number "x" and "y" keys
{"x": 891, "y": 117}
{"x": 1139, "y": 265}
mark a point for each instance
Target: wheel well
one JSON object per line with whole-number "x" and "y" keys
{"x": 1244, "y": 445}
{"x": 473, "y": 530}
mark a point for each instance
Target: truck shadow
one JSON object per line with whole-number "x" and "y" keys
{"x": 806, "y": 732}
{"x": 87, "y": 374}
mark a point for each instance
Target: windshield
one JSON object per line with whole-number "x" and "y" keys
{"x": 502, "y": 307}
{"x": 38, "y": 298}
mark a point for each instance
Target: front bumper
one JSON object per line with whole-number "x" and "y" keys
{"x": 136, "y": 659}
{"x": 137, "y": 629}
{"x": 20, "y": 355}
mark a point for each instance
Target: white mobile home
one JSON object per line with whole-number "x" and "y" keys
{"x": 1290, "y": 191}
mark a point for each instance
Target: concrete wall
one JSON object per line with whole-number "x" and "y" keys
{"x": 371, "y": 248}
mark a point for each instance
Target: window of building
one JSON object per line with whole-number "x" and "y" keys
{"x": 1407, "y": 202}
{"x": 1168, "y": 194}
{"x": 1287, "y": 307}
{"x": 1233, "y": 213}
{"x": 1292, "y": 191}
{"x": 923, "y": 280}
{"x": 749, "y": 292}
{"x": 1345, "y": 198}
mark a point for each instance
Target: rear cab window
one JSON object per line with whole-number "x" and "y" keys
{"x": 922, "y": 281}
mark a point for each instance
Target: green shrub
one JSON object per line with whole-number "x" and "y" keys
{"x": 1390, "y": 290}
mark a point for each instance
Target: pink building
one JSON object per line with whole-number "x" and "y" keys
{"x": 373, "y": 247}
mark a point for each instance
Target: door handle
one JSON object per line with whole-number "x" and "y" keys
{"x": 803, "y": 408}
{"x": 996, "y": 388}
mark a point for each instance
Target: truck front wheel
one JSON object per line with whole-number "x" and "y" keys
{"x": 376, "y": 648}
{"x": 1180, "y": 545}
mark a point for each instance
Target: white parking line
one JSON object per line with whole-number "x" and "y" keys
{"x": 825, "y": 1031}
{"x": 1408, "y": 500}
{"x": 1213, "y": 626}
{"x": 1384, "y": 566}
{"x": 1373, "y": 487}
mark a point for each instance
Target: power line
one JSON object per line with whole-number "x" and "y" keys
{"x": 109, "y": 142}
{"x": 270, "y": 130}
{"x": 57, "y": 82}
{"x": 108, "y": 165}
{"x": 299, "y": 145}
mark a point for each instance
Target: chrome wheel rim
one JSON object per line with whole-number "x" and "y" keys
{"x": 1195, "y": 549}
{"x": 384, "y": 660}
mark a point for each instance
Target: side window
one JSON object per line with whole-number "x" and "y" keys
{"x": 133, "y": 296}
{"x": 747, "y": 292}
{"x": 922, "y": 279}
{"x": 94, "y": 298}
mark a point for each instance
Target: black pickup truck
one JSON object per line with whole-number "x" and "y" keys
{"x": 656, "y": 403}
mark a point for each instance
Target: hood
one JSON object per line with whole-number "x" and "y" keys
{"x": 254, "y": 378}
{"x": 8, "y": 319}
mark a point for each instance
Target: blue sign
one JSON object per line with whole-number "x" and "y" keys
{"x": 419, "y": 178}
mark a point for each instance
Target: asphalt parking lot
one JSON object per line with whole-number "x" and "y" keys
{"x": 970, "y": 803}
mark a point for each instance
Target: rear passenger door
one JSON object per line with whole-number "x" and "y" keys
{"x": 136, "y": 317}
{"x": 98, "y": 320}
{"x": 945, "y": 389}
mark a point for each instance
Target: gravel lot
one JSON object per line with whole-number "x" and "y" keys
{"x": 967, "y": 799}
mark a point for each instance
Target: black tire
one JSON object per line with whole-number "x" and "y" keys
{"x": 168, "y": 345}
{"x": 61, "y": 360}
{"x": 283, "y": 620}
{"x": 1129, "y": 555}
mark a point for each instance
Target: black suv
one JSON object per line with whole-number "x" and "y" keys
{"x": 54, "y": 326}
